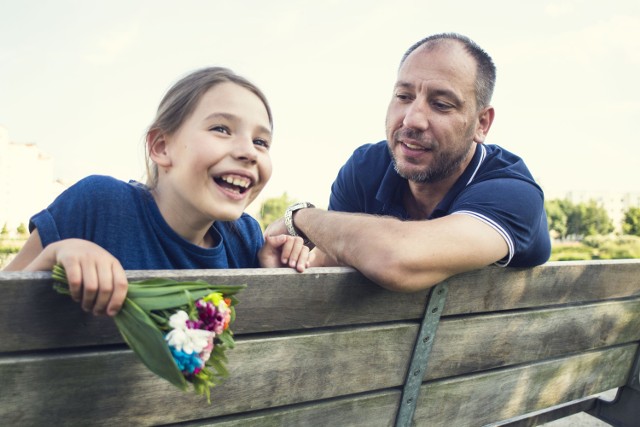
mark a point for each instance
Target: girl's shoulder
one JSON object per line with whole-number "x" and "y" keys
{"x": 103, "y": 191}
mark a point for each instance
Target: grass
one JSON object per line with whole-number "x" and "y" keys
{"x": 597, "y": 247}
{"x": 8, "y": 248}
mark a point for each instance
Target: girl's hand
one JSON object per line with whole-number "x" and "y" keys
{"x": 283, "y": 250}
{"x": 96, "y": 279}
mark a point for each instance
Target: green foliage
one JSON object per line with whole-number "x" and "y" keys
{"x": 557, "y": 217}
{"x": 571, "y": 252}
{"x": 598, "y": 247}
{"x": 614, "y": 248}
{"x": 581, "y": 219}
{"x": 4, "y": 231}
{"x": 631, "y": 221}
{"x": 22, "y": 229}
{"x": 273, "y": 209}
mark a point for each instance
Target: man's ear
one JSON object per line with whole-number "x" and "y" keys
{"x": 157, "y": 148}
{"x": 485, "y": 119}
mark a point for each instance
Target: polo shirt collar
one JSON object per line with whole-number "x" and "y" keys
{"x": 392, "y": 188}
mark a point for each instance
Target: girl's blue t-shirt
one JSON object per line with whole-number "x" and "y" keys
{"x": 124, "y": 219}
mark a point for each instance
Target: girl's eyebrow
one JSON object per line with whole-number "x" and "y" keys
{"x": 233, "y": 118}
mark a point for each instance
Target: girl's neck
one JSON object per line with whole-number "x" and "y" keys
{"x": 187, "y": 226}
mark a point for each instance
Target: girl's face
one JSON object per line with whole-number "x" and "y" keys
{"x": 218, "y": 161}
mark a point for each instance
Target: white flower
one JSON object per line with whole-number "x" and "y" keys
{"x": 185, "y": 339}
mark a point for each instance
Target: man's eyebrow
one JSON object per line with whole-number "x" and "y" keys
{"x": 446, "y": 93}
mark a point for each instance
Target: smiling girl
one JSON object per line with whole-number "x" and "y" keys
{"x": 208, "y": 158}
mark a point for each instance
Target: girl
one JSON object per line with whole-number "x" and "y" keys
{"x": 208, "y": 158}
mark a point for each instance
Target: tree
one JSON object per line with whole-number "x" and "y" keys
{"x": 582, "y": 219}
{"x": 5, "y": 232}
{"x": 588, "y": 219}
{"x": 631, "y": 221}
{"x": 22, "y": 229}
{"x": 557, "y": 217}
{"x": 272, "y": 209}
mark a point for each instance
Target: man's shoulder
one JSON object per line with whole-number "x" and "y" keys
{"x": 372, "y": 151}
{"x": 502, "y": 163}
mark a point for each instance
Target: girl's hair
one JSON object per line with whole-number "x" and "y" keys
{"x": 183, "y": 97}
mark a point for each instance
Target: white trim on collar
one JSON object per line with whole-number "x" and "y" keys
{"x": 483, "y": 155}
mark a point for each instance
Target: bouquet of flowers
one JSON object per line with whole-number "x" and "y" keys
{"x": 179, "y": 330}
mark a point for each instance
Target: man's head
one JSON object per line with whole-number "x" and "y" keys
{"x": 485, "y": 72}
{"x": 440, "y": 107}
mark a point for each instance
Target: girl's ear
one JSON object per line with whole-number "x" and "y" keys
{"x": 157, "y": 147}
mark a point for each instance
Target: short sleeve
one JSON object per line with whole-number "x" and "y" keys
{"x": 515, "y": 209}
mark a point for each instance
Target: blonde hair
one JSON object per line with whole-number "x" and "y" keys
{"x": 183, "y": 97}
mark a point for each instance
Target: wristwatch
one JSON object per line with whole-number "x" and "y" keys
{"x": 288, "y": 221}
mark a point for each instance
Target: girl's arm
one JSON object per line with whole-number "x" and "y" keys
{"x": 96, "y": 278}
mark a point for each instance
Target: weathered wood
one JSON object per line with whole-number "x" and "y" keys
{"x": 275, "y": 300}
{"x": 550, "y": 284}
{"x": 481, "y": 342}
{"x": 328, "y": 347}
{"x": 483, "y": 398}
{"x": 264, "y": 372}
{"x": 339, "y": 296}
{"x": 369, "y": 410}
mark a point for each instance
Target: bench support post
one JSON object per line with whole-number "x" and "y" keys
{"x": 624, "y": 410}
{"x": 420, "y": 357}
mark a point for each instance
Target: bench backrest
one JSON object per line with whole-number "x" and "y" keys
{"x": 328, "y": 347}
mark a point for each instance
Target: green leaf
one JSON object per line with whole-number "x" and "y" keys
{"x": 144, "y": 338}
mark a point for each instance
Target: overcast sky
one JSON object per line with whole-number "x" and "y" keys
{"x": 82, "y": 79}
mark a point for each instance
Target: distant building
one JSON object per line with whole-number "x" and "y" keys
{"x": 615, "y": 203}
{"x": 27, "y": 184}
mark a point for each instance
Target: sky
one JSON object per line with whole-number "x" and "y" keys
{"x": 82, "y": 79}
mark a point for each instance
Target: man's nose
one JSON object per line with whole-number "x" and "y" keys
{"x": 416, "y": 116}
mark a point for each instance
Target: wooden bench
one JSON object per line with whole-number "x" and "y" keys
{"x": 330, "y": 348}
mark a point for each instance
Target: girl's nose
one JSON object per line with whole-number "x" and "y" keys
{"x": 245, "y": 150}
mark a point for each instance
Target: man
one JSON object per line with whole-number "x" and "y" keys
{"x": 432, "y": 200}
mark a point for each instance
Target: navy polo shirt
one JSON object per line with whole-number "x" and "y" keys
{"x": 496, "y": 188}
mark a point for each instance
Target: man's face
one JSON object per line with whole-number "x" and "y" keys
{"x": 432, "y": 118}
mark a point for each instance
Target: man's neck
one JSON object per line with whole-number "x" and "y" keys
{"x": 421, "y": 199}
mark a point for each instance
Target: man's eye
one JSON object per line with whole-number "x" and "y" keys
{"x": 221, "y": 129}
{"x": 403, "y": 96}
{"x": 261, "y": 142}
{"x": 441, "y": 105}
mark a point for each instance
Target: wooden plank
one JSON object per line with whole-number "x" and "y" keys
{"x": 548, "y": 415}
{"x": 32, "y": 316}
{"x": 35, "y": 317}
{"x": 492, "y": 396}
{"x": 112, "y": 388}
{"x": 368, "y": 410}
{"x": 481, "y": 342}
{"x": 493, "y": 288}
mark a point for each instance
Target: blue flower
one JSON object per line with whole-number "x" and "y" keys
{"x": 187, "y": 362}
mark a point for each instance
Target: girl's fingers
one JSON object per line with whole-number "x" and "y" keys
{"x": 120, "y": 287}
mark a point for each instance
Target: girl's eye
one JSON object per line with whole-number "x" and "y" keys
{"x": 221, "y": 129}
{"x": 261, "y": 142}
